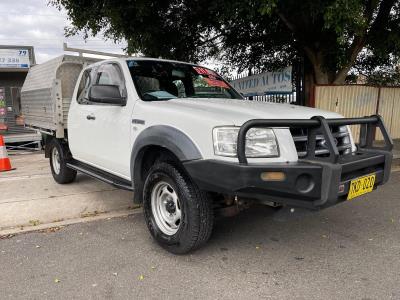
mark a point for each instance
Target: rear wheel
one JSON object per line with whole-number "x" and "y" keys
{"x": 178, "y": 215}
{"x": 61, "y": 173}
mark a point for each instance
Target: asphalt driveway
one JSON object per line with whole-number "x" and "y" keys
{"x": 351, "y": 251}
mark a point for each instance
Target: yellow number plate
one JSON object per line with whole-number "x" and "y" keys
{"x": 361, "y": 186}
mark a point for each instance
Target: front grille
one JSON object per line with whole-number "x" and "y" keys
{"x": 340, "y": 134}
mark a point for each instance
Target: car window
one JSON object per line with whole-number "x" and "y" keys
{"x": 181, "y": 88}
{"x": 110, "y": 73}
{"x": 84, "y": 85}
{"x": 164, "y": 80}
{"x": 105, "y": 78}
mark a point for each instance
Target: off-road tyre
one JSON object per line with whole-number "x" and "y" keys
{"x": 58, "y": 165}
{"x": 196, "y": 209}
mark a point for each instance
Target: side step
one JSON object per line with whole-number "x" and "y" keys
{"x": 100, "y": 175}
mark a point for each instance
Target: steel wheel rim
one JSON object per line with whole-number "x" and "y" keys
{"x": 55, "y": 155}
{"x": 166, "y": 208}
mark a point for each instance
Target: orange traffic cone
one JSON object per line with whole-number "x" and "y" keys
{"x": 5, "y": 164}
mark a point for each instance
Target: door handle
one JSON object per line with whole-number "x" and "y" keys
{"x": 90, "y": 117}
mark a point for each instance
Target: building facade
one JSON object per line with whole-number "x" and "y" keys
{"x": 15, "y": 62}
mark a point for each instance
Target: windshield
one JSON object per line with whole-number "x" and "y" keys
{"x": 162, "y": 80}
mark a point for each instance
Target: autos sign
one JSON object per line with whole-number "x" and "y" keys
{"x": 14, "y": 58}
{"x": 265, "y": 83}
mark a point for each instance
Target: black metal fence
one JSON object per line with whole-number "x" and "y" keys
{"x": 276, "y": 98}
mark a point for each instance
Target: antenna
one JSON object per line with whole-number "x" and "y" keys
{"x": 82, "y": 51}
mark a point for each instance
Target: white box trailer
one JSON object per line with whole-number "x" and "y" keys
{"x": 47, "y": 92}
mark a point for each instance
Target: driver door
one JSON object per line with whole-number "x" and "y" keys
{"x": 106, "y": 128}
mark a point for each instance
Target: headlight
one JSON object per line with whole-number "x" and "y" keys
{"x": 260, "y": 142}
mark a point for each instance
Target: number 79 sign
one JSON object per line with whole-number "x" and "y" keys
{"x": 14, "y": 58}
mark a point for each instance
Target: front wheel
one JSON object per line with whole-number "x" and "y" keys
{"x": 61, "y": 173}
{"x": 178, "y": 215}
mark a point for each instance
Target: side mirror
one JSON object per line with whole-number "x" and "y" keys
{"x": 106, "y": 93}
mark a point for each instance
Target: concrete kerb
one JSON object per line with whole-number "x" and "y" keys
{"x": 9, "y": 232}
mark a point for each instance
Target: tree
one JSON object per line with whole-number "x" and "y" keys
{"x": 332, "y": 36}
{"x": 333, "y": 33}
{"x": 169, "y": 29}
{"x": 384, "y": 77}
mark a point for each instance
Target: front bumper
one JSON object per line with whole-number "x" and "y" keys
{"x": 313, "y": 182}
{"x": 308, "y": 184}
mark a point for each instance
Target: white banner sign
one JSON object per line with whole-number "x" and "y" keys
{"x": 265, "y": 83}
{"x": 14, "y": 58}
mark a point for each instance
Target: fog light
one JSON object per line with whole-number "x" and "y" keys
{"x": 305, "y": 183}
{"x": 273, "y": 176}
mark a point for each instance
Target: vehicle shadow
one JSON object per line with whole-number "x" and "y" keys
{"x": 258, "y": 227}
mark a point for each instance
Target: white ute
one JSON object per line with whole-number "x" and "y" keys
{"x": 189, "y": 145}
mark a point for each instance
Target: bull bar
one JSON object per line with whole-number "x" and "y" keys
{"x": 320, "y": 125}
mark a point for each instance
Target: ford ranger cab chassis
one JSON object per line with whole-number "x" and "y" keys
{"x": 191, "y": 148}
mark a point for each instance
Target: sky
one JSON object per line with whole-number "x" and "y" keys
{"x": 35, "y": 23}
